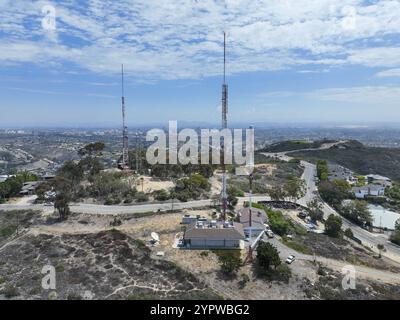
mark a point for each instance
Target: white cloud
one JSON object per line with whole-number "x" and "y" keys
{"x": 376, "y": 57}
{"x": 389, "y": 73}
{"x": 182, "y": 38}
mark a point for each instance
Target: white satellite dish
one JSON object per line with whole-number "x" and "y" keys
{"x": 155, "y": 236}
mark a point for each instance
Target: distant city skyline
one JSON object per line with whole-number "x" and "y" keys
{"x": 310, "y": 62}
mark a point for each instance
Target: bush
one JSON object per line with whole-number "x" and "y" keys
{"x": 245, "y": 279}
{"x": 284, "y": 272}
{"x": 161, "y": 195}
{"x": 348, "y": 233}
{"x": 230, "y": 261}
{"x": 128, "y": 199}
{"x": 142, "y": 197}
{"x": 112, "y": 200}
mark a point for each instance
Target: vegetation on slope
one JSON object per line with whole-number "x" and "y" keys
{"x": 358, "y": 158}
{"x": 292, "y": 145}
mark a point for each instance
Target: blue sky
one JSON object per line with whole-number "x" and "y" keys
{"x": 288, "y": 61}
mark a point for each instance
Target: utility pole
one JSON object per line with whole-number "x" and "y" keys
{"x": 224, "y": 196}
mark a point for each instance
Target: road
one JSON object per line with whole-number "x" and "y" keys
{"x": 361, "y": 271}
{"x": 369, "y": 239}
{"x": 116, "y": 209}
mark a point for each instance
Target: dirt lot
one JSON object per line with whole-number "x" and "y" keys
{"x": 150, "y": 184}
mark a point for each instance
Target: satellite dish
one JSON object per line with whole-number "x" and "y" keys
{"x": 155, "y": 236}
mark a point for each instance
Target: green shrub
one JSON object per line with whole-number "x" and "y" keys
{"x": 284, "y": 272}
{"x": 142, "y": 197}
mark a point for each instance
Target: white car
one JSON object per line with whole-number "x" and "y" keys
{"x": 290, "y": 259}
{"x": 270, "y": 234}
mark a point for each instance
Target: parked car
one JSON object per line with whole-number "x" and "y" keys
{"x": 290, "y": 259}
{"x": 270, "y": 234}
{"x": 302, "y": 215}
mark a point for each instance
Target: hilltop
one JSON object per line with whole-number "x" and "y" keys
{"x": 292, "y": 145}
{"x": 359, "y": 158}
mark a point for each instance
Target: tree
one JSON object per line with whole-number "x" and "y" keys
{"x": 230, "y": 261}
{"x": 322, "y": 170}
{"x": 71, "y": 171}
{"x": 93, "y": 165}
{"x": 315, "y": 210}
{"x": 92, "y": 148}
{"x": 267, "y": 256}
{"x": 358, "y": 212}
{"x": 395, "y": 236}
{"x": 233, "y": 193}
{"x": 277, "y": 222}
{"x": 294, "y": 187}
{"x": 61, "y": 205}
{"x": 276, "y": 193}
{"x": 332, "y": 193}
{"x": 333, "y": 226}
{"x": 342, "y": 185}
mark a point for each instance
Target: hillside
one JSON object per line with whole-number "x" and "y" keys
{"x": 291, "y": 145}
{"x": 359, "y": 158}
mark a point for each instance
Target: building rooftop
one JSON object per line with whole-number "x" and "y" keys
{"x": 258, "y": 217}
{"x": 377, "y": 177}
{"x": 213, "y": 230}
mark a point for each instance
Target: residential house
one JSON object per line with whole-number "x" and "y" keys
{"x": 369, "y": 190}
{"x": 378, "y": 179}
{"x": 28, "y": 188}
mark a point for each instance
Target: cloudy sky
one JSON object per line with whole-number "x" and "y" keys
{"x": 288, "y": 60}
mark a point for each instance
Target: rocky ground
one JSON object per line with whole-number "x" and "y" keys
{"x": 96, "y": 258}
{"x": 329, "y": 287}
{"x": 103, "y": 265}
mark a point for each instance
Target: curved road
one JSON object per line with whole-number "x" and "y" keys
{"x": 372, "y": 240}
